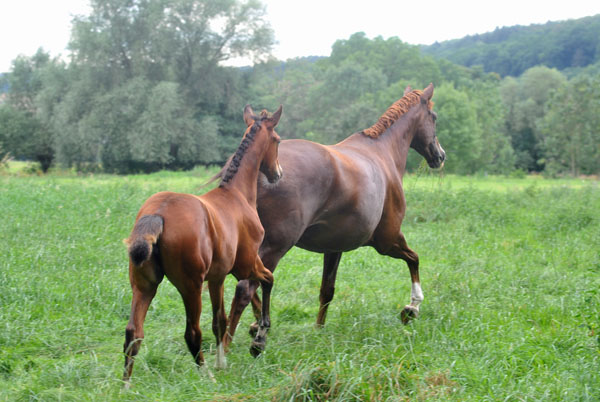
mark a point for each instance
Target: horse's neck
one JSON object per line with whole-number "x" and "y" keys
{"x": 395, "y": 142}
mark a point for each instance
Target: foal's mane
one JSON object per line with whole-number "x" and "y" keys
{"x": 233, "y": 165}
{"x": 394, "y": 112}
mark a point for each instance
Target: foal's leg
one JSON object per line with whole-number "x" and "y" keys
{"x": 192, "y": 300}
{"x": 219, "y": 323}
{"x": 330, "y": 266}
{"x": 266, "y": 282}
{"x": 144, "y": 282}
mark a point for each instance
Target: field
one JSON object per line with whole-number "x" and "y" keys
{"x": 510, "y": 269}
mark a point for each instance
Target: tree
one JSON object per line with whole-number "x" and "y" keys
{"x": 128, "y": 59}
{"x": 167, "y": 135}
{"x": 457, "y": 129}
{"x": 570, "y": 128}
{"x": 524, "y": 101}
{"x": 26, "y": 82}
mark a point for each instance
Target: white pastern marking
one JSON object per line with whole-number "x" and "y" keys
{"x": 221, "y": 360}
{"x": 416, "y": 295}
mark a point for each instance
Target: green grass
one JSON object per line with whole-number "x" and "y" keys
{"x": 510, "y": 269}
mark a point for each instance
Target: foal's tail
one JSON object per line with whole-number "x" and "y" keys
{"x": 145, "y": 234}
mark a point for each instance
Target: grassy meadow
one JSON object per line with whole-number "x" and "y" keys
{"x": 510, "y": 269}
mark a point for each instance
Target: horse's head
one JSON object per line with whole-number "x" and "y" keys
{"x": 264, "y": 127}
{"x": 425, "y": 141}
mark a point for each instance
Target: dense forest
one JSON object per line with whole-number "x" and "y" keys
{"x": 146, "y": 89}
{"x": 566, "y": 45}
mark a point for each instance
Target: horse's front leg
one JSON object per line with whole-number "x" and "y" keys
{"x": 404, "y": 252}
{"x": 266, "y": 282}
{"x": 245, "y": 291}
{"x": 400, "y": 249}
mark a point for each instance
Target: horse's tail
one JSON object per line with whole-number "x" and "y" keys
{"x": 144, "y": 236}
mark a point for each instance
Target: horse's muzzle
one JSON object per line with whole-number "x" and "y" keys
{"x": 437, "y": 161}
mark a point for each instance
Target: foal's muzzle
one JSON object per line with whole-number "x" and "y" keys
{"x": 276, "y": 176}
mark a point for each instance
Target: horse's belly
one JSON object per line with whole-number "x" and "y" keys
{"x": 328, "y": 237}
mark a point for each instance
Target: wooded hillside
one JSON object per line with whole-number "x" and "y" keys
{"x": 146, "y": 90}
{"x": 512, "y": 50}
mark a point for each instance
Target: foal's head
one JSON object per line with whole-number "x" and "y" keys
{"x": 263, "y": 129}
{"x": 425, "y": 141}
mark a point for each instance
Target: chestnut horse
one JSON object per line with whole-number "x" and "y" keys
{"x": 193, "y": 239}
{"x": 340, "y": 197}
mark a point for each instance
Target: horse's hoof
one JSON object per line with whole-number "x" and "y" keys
{"x": 257, "y": 348}
{"x": 253, "y": 329}
{"x": 409, "y": 313}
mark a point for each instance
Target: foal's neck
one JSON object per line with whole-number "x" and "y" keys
{"x": 246, "y": 177}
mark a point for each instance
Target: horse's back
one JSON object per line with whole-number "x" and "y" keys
{"x": 329, "y": 199}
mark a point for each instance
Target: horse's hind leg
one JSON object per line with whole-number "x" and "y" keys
{"x": 144, "y": 287}
{"x": 192, "y": 300}
{"x": 331, "y": 262}
{"x": 219, "y": 323}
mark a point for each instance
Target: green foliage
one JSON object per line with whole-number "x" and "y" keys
{"x": 570, "y": 129}
{"x": 509, "y": 267}
{"x": 29, "y": 135}
{"x": 457, "y": 129}
{"x": 510, "y": 51}
{"x": 524, "y": 99}
{"x": 146, "y": 90}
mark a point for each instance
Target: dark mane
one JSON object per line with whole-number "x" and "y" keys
{"x": 235, "y": 161}
{"x": 393, "y": 113}
{"x": 233, "y": 165}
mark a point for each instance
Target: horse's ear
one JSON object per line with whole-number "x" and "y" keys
{"x": 407, "y": 90}
{"x": 248, "y": 115}
{"x": 427, "y": 94}
{"x": 274, "y": 119}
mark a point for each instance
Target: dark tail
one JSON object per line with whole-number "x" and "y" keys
{"x": 145, "y": 234}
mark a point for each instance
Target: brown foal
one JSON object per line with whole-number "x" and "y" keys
{"x": 191, "y": 239}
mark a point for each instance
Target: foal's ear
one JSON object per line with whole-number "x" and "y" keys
{"x": 427, "y": 93}
{"x": 248, "y": 115}
{"x": 407, "y": 90}
{"x": 274, "y": 119}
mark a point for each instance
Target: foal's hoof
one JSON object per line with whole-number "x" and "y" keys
{"x": 409, "y": 313}
{"x": 253, "y": 329}
{"x": 257, "y": 347}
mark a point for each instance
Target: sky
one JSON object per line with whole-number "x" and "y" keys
{"x": 307, "y": 27}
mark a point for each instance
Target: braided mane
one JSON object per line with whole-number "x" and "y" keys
{"x": 234, "y": 164}
{"x": 394, "y": 112}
